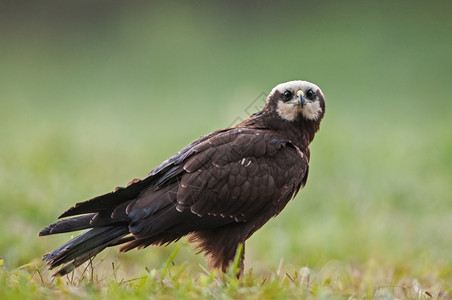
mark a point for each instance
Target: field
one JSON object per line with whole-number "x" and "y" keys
{"x": 94, "y": 94}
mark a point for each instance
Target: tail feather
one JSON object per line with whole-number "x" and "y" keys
{"x": 109, "y": 200}
{"x": 83, "y": 247}
{"x": 68, "y": 268}
{"x": 68, "y": 225}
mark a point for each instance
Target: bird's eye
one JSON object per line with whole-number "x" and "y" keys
{"x": 287, "y": 95}
{"x": 310, "y": 94}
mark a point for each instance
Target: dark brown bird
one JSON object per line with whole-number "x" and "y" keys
{"x": 219, "y": 189}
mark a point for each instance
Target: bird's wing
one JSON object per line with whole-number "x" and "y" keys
{"x": 254, "y": 171}
{"x": 232, "y": 176}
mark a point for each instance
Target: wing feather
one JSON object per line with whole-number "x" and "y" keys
{"x": 232, "y": 176}
{"x": 244, "y": 175}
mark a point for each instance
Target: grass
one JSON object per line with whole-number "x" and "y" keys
{"x": 171, "y": 281}
{"x": 90, "y": 101}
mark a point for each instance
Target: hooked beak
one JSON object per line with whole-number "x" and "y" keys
{"x": 300, "y": 95}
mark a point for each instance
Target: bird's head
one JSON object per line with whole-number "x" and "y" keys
{"x": 296, "y": 100}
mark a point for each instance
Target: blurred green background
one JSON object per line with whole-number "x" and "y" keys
{"x": 95, "y": 93}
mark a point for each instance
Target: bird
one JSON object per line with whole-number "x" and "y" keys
{"x": 218, "y": 190}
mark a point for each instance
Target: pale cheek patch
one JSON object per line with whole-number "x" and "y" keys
{"x": 288, "y": 111}
{"x": 311, "y": 110}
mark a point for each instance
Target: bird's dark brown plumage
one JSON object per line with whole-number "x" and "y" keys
{"x": 219, "y": 189}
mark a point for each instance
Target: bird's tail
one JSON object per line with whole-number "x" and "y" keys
{"x": 84, "y": 246}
